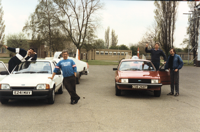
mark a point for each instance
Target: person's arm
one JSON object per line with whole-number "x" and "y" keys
{"x": 57, "y": 68}
{"x": 35, "y": 57}
{"x": 146, "y": 49}
{"x": 180, "y": 63}
{"x": 164, "y": 56}
{"x": 74, "y": 68}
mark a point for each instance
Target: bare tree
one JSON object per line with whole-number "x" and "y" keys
{"x": 166, "y": 16}
{"x": 150, "y": 36}
{"x": 114, "y": 38}
{"x": 107, "y": 37}
{"x": 2, "y": 26}
{"x": 43, "y": 26}
{"x": 193, "y": 29}
{"x": 75, "y": 16}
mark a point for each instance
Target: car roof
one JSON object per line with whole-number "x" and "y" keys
{"x": 135, "y": 60}
{"x": 47, "y": 60}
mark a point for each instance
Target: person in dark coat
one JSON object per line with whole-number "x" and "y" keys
{"x": 155, "y": 55}
{"x": 21, "y": 56}
{"x": 174, "y": 64}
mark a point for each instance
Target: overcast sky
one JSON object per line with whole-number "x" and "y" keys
{"x": 129, "y": 19}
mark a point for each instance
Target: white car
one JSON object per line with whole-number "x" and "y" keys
{"x": 30, "y": 81}
{"x": 82, "y": 67}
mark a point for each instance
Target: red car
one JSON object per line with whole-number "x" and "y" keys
{"x": 140, "y": 75}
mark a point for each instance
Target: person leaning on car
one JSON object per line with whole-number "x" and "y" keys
{"x": 155, "y": 55}
{"x": 21, "y": 55}
{"x": 69, "y": 70}
{"x": 174, "y": 64}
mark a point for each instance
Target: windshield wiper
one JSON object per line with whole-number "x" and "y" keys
{"x": 43, "y": 72}
{"x": 29, "y": 72}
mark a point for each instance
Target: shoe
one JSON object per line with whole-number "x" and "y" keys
{"x": 72, "y": 102}
{"x": 76, "y": 101}
{"x": 176, "y": 95}
{"x": 170, "y": 93}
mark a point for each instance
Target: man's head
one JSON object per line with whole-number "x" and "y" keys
{"x": 156, "y": 45}
{"x": 172, "y": 51}
{"x": 65, "y": 54}
{"x": 31, "y": 51}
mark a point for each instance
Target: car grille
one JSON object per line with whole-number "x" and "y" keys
{"x": 139, "y": 80}
{"x": 22, "y": 87}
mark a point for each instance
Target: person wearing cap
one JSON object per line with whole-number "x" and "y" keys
{"x": 69, "y": 70}
{"x": 21, "y": 56}
{"x": 155, "y": 55}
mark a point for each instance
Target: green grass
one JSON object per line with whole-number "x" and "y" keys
{"x": 102, "y": 62}
{"x": 5, "y": 60}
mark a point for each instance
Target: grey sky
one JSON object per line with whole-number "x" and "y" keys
{"x": 129, "y": 19}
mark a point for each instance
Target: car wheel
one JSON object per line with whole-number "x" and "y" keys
{"x": 117, "y": 91}
{"x": 52, "y": 98}
{"x": 157, "y": 93}
{"x": 60, "y": 91}
{"x": 78, "y": 79}
{"x": 4, "y": 101}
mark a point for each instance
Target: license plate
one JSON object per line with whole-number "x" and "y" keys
{"x": 22, "y": 92}
{"x": 139, "y": 86}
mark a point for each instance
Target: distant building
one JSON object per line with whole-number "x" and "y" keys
{"x": 104, "y": 54}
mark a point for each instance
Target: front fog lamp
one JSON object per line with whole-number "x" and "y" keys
{"x": 124, "y": 80}
{"x": 5, "y": 86}
{"x": 154, "y": 80}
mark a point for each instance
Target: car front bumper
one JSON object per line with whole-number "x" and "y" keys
{"x": 128, "y": 86}
{"x": 36, "y": 94}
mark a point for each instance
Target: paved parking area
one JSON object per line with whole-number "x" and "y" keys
{"x": 100, "y": 110}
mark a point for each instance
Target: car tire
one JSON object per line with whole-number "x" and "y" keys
{"x": 51, "y": 99}
{"x": 157, "y": 93}
{"x": 78, "y": 78}
{"x": 117, "y": 91}
{"x": 60, "y": 91}
{"x": 4, "y": 101}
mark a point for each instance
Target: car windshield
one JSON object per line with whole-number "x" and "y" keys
{"x": 136, "y": 66}
{"x": 33, "y": 67}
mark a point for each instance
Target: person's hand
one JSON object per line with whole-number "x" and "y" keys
{"x": 176, "y": 70}
{"x": 147, "y": 45}
{"x": 50, "y": 78}
{"x": 165, "y": 62}
{"x": 5, "y": 46}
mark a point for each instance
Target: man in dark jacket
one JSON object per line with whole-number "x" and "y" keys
{"x": 155, "y": 55}
{"x": 21, "y": 56}
{"x": 174, "y": 64}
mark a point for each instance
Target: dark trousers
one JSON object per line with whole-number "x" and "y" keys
{"x": 157, "y": 65}
{"x": 174, "y": 80}
{"x": 70, "y": 85}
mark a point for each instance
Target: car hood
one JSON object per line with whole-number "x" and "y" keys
{"x": 26, "y": 79}
{"x": 139, "y": 74}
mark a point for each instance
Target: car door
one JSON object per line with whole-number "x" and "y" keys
{"x": 57, "y": 78}
{"x": 3, "y": 71}
{"x": 164, "y": 75}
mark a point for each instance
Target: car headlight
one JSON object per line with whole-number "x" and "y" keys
{"x": 124, "y": 80}
{"x": 155, "y": 81}
{"x": 5, "y": 86}
{"x": 43, "y": 86}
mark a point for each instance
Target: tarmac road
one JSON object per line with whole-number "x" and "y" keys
{"x": 99, "y": 110}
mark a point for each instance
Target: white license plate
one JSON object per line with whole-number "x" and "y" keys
{"x": 22, "y": 92}
{"x": 139, "y": 86}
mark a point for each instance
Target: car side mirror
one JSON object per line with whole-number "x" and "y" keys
{"x": 114, "y": 69}
{"x": 4, "y": 73}
{"x": 58, "y": 73}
